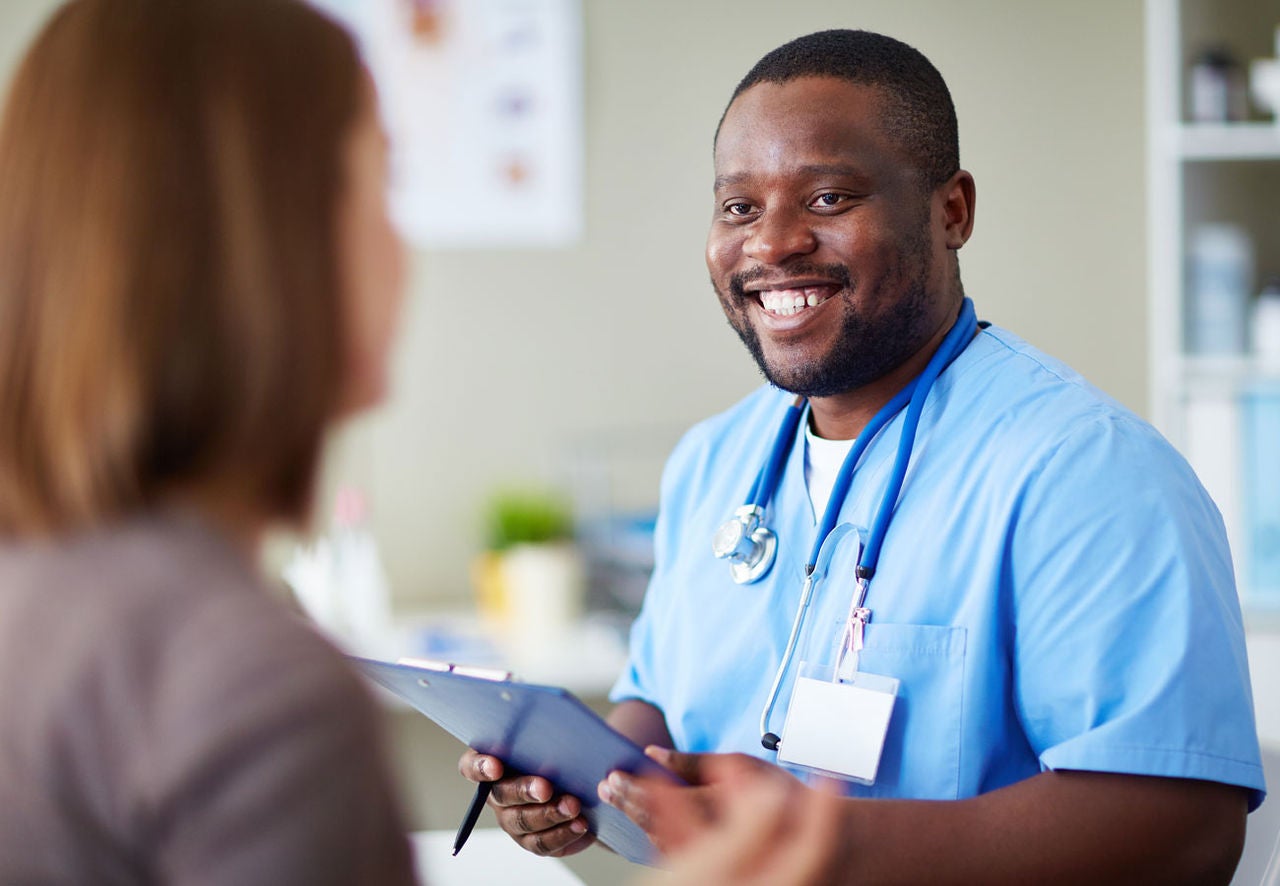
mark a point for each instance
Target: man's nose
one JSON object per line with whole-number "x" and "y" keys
{"x": 778, "y": 235}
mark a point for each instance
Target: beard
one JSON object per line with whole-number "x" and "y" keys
{"x": 869, "y": 346}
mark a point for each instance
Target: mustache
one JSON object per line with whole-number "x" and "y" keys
{"x": 838, "y": 274}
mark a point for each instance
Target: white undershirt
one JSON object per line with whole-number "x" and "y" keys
{"x": 822, "y": 461}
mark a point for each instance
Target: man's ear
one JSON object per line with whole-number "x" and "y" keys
{"x": 956, "y": 199}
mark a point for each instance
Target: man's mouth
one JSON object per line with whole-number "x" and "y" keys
{"x": 786, "y": 302}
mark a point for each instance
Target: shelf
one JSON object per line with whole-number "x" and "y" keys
{"x": 1230, "y": 375}
{"x": 1227, "y": 141}
{"x": 1198, "y": 173}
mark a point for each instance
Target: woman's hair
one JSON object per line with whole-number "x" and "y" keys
{"x": 171, "y": 173}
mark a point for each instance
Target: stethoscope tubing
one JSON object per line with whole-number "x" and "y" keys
{"x": 912, "y": 397}
{"x": 956, "y": 341}
{"x": 767, "y": 478}
{"x": 806, "y": 596}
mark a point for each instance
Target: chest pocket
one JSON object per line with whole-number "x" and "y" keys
{"x": 921, "y": 758}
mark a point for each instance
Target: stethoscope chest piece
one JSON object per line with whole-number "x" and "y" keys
{"x": 749, "y": 546}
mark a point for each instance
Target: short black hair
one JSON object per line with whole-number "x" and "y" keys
{"x": 920, "y": 114}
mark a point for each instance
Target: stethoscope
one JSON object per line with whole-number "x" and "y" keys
{"x": 752, "y": 548}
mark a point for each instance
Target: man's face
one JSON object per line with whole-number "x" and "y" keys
{"x": 824, "y": 248}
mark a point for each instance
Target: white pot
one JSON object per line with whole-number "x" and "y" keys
{"x": 545, "y": 586}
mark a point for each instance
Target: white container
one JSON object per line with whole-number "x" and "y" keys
{"x": 545, "y": 586}
{"x": 1219, "y": 279}
{"x": 1215, "y": 89}
{"x": 340, "y": 583}
{"x": 1264, "y": 82}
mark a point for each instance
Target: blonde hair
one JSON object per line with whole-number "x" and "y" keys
{"x": 170, "y": 178}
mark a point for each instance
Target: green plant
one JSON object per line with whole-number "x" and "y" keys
{"x": 527, "y": 516}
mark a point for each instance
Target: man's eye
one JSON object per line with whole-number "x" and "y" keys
{"x": 829, "y": 199}
{"x": 738, "y": 208}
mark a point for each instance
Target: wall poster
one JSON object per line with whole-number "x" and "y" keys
{"x": 483, "y": 103}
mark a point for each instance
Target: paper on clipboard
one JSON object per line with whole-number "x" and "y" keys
{"x": 537, "y": 730}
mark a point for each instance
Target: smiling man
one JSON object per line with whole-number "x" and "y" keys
{"x": 991, "y": 597}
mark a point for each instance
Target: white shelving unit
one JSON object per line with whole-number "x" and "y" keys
{"x": 1207, "y": 172}
{"x": 1226, "y": 141}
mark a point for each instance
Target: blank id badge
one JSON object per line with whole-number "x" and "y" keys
{"x": 838, "y": 727}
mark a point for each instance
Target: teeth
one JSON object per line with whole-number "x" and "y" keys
{"x": 786, "y": 302}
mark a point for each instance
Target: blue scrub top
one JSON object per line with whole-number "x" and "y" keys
{"x": 1055, "y": 590}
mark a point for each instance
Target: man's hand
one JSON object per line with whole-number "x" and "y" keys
{"x": 770, "y": 835}
{"x": 673, "y": 816}
{"x": 528, "y": 809}
{"x": 741, "y": 821}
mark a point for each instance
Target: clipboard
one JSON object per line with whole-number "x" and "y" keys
{"x": 534, "y": 730}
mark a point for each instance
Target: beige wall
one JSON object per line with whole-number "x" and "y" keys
{"x": 511, "y": 361}
{"x": 19, "y": 20}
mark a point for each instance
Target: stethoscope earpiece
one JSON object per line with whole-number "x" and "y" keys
{"x": 749, "y": 546}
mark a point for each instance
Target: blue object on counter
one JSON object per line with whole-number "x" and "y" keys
{"x": 454, "y": 641}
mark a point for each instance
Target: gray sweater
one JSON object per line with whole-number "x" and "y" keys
{"x": 164, "y": 720}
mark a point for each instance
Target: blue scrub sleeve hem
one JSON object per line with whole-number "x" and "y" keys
{"x": 626, "y": 688}
{"x": 1161, "y": 762}
{"x": 619, "y": 694}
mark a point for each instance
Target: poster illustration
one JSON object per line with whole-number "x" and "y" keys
{"x": 482, "y": 100}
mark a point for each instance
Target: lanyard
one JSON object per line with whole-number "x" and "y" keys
{"x": 957, "y": 340}
{"x": 912, "y": 397}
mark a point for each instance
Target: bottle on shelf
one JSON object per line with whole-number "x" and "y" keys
{"x": 359, "y": 572}
{"x": 340, "y": 583}
{"x": 1220, "y": 268}
{"x": 1264, "y": 325}
{"x": 1216, "y": 88}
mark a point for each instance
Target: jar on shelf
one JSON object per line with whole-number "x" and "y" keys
{"x": 1216, "y": 88}
{"x": 1219, "y": 278}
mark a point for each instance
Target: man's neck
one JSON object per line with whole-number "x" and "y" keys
{"x": 843, "y": 416}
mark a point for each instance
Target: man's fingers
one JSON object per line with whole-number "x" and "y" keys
{"x": 687, "y": 766}
{"x": 534, "y": 818}
{"x": 586, "y": 840}
{"x": 628, "y": 794}
{"x": 528, "y": 809}
{"x": 705, "y": 768}
{"x": 520, "y": 790}
{"x": 569, "y": 838}
{"x": 479, "y": 767}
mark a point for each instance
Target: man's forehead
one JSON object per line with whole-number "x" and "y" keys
{"x": 809, "y": 96}
{"x": 811, "y": 121}
{"x": 840, "y": 170}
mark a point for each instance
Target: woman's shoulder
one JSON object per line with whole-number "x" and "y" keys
{"x": 157, "y": 586}
{"x": 162, "y": 681}
{"x": 161, "y": 614}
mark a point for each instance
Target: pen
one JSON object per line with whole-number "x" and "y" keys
{"x": 472, "y": 816}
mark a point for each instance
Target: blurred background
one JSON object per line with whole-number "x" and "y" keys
{"x": 512, "y": 361}
{"x": 543, "y": 383}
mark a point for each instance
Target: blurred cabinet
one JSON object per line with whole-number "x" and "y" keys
{"x": 1220, "y": 406}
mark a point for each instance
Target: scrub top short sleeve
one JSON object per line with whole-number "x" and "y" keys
{"x": 1126, "y": 642}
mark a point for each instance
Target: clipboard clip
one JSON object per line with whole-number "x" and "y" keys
{"x": 495, "y": 675}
